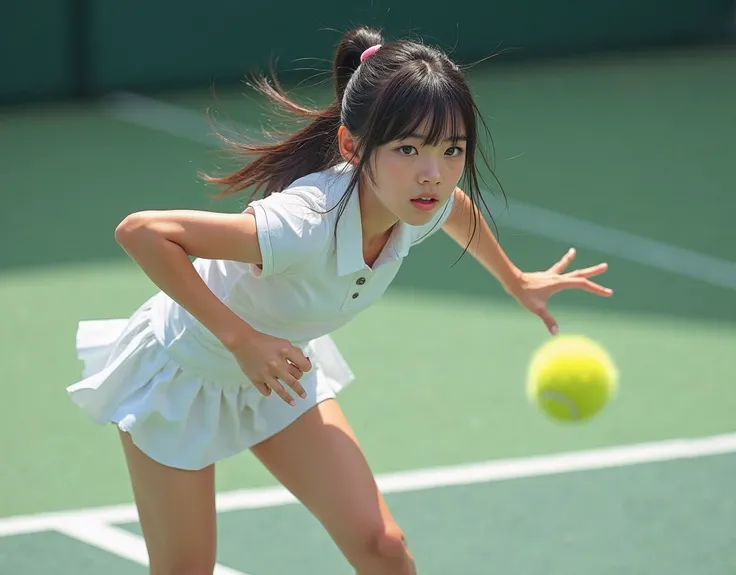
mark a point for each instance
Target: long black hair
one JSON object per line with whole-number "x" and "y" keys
{"x": 402, "y": 86}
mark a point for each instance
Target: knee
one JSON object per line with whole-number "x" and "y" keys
{"x": 389, "y": 544}
{"x": 379, "y": 547}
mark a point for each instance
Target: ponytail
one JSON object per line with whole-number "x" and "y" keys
{"x": 311, "y": 149}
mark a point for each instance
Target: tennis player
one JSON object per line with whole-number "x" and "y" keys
{"x": 234, "y": 351}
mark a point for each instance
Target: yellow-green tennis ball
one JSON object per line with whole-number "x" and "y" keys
{"x": 571, "y": 378}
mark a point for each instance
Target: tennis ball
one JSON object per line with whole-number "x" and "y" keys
{"x": 571, "y": 378}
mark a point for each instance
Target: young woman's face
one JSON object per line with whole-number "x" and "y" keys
{"x": 414, "y": 180}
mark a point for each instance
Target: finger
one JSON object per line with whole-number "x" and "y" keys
{"x": 548, "y": 320}
{"x": 279, "y": 389}
{"x": 294, "y": 370}
{"x": 589, "y": 271}
{"x": 263, "y": 388}
{"x": 297, "y": 357}
{"x": 589, "y": 286}
{"x": 560, "y": 266}
{"x": 597, "y": 289}
{"x": 294, "y": 384}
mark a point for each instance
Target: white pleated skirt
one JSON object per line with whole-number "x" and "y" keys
{"x": 177, "y": 416}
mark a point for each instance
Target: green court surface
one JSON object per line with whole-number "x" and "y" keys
{"x": 629, "y": 159}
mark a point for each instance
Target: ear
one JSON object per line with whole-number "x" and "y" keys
{"x": 348, "y": 145}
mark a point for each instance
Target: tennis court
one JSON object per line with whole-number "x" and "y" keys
{"x": 629, "y": 159}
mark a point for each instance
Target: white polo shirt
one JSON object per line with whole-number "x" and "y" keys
{"x": 313, "y": 280}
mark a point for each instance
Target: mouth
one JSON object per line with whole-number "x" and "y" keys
{"x": 425, "y": 203}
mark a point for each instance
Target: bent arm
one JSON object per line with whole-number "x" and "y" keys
{"x": 160, "y": 242}
{"x": 465, "y": 221}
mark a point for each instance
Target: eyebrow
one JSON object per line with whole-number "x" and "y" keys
{"x": 424, "y": 137}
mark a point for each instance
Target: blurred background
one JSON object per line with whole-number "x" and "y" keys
{"x": 612, "y": 127}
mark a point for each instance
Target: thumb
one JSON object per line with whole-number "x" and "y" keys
{"x": 548, "y": 320}
{"x": 300, "y": 360}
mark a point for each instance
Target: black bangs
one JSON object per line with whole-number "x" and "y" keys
{"x": 408, "y": 90}
{"x": 403, "y": 89}
{"x": 419, "y": 103}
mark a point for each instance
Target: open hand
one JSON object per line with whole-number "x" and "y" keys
{"x": 535, "y": 288}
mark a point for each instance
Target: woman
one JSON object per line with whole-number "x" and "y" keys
{"x": 234, "y": 351}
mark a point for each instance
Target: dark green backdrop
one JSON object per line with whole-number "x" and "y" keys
{"x": 60, "y": 48}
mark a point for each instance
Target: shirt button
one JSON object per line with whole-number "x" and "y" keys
{"x": 360, "y": 281}
{"x": 355, "y": 295}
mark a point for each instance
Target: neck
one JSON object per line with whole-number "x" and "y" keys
{"x": 376, "y": 220}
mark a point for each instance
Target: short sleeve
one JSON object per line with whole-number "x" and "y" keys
{"x": 421, "y": 233}
{"x": 291, "y": 229}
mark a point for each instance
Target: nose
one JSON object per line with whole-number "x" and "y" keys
{"x": 430, "y": 173}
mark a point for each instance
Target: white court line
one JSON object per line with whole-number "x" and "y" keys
{"x": 416, "y": 480}
{"x": 117, "y": 541}
{"x": 154, "y": 114}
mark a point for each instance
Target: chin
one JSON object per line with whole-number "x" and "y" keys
{"x": 419, "y": 218}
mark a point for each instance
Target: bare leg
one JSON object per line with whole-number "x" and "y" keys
{"x": 319, "y": 460}
{"x": 177, "y": 514}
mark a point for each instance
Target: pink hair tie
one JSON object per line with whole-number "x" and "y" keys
{"x": 369, "y": 52}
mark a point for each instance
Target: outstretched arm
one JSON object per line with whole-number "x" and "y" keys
{"x": 530, "y": 289}
{"x": 465, "y": 221}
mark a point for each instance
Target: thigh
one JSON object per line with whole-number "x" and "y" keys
{"x": 319, "y": 460}
{"x": 177, "y": 513}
